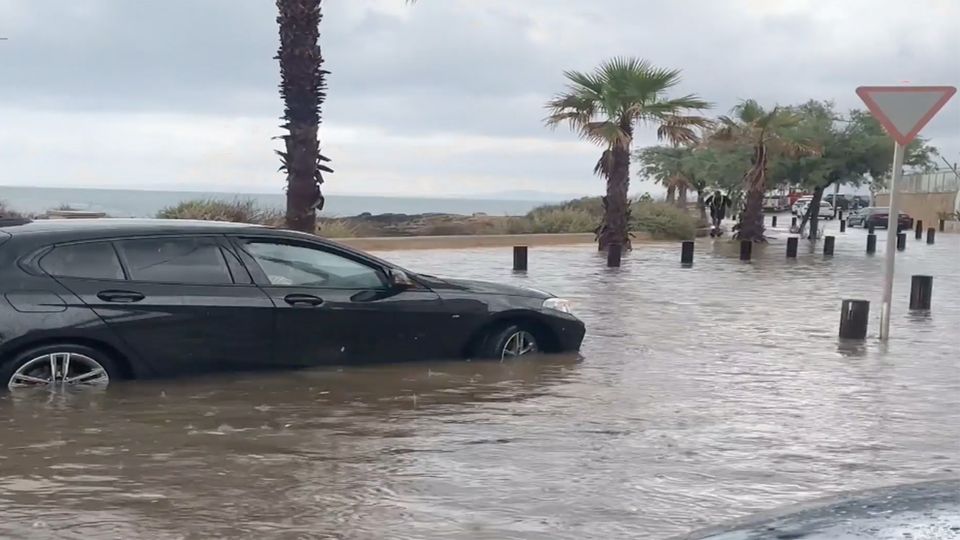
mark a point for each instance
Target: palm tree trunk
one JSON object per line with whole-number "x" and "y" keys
{"x": 615, "y": 228}
{"x": 671, "y": 193}
{"x": 302, "y": 87}
{"x": 682, "y": 197}
{"x": 751, "y": 220}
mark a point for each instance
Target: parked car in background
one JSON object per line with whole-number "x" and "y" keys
{"x": 801, "y": 206}
{"x": 87, "y": 302}
{"x": 878, "y": 217}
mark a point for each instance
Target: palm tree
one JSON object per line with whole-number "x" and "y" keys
{"x": 766, "y": 132}
{"x": 606, "y": 106}
{"x": 303, "y": 89}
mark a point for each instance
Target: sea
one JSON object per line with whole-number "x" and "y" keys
{"x": 143, "y": 203}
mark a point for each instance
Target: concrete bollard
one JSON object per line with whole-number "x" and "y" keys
{"x": 871, "y": 243}
{"x": 921, "y": 292}
{"x": 943, "y": 224}
{"x": 901, "y": 241}
{"x": 793, "y": 223}
{"x": 792, "y": 244}
{"x": 686, "y": 253}
{"x": 872, "y": 229}
{"x": 843, "y": 225}
{"x": 931, "y": 235}
{"x": 746, "y": 249}
{"x": 614, "y": 254}
{"x": 773, "y": 222}
{"x": 919, "y": 232}
{"x": 520, "y": 258}
{"x": 854, "y": 316}
{"x": 828, "y": 244}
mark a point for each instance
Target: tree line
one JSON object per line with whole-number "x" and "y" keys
{"x": 754, "y": 148}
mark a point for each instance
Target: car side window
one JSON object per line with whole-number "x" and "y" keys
{"x": 96, "y": 260}
{"x": 294, "y": 265}
{"x": 183, "y": 260}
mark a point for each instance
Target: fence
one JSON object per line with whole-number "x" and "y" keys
{"x": 944, "y": 181}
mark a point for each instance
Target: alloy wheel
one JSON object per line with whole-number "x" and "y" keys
{"x": 519, "y": 343}
{"x": 60, "y": 369}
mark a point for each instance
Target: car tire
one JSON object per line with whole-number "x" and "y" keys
{"x": 75, "y": 365}
{"x": 506, "y": 342}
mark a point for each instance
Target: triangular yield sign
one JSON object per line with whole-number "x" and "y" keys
{"x": 904, "y": 110}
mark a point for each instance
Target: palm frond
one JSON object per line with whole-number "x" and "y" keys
{"x": 605, "y": 133}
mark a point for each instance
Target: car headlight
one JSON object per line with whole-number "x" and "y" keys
{"x": 557, "y": 304}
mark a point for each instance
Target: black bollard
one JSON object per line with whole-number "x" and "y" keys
{"x": 686, "y": 253}
{"x": 843, "y": 225}
{"x": 614, "y": 252}
{"x": 871, "y": 243}
{"x": 828, "y": 242}
{"x": 872, "y": 229}
{"x": 793, "y": 223}
{"x": 919, "y": 232}
{"x": 943, "y": 224}
{"x": 792, "y": 244}
{"x": 746, "y": 249}
{"x": 901, "y": 241}
{"x": 921, "y": 292}
{"x": 773, "y": 222}
{"x": 854, "y": 316}
{"x": 931, "y": 235}
{"x": 840, "y": 214}
{"x": 520, "y": 258}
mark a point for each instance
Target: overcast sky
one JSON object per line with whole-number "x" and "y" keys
{"x": 441, "y": 98}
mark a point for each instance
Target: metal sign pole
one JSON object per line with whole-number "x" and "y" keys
{"x": 893, "y": 221}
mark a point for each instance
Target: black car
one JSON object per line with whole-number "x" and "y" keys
{"x": 92, "y": 301}
{"x": 878, "y": 217}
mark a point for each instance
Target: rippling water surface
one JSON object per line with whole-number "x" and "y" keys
{"x": 703, "y": 394}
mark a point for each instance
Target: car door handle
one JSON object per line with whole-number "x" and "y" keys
{"x": 303, "y": 300}
{"x": 120, "y": 297}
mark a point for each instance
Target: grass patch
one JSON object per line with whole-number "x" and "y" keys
{"x": 236, "y": 211}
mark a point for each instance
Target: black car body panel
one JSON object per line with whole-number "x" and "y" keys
{"x": 178, "y": 297}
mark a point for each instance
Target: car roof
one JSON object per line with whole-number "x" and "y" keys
{"x": 63, "y": 230}
{"x": 120, "y": 225}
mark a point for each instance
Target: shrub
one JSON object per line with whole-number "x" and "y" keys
{"x": 563, "y": 220}
{"x": 7, "y": 212}
{"x": 663, "y": 220}
{"x": 238, "y": 211}
{"x": 335, "y": 228}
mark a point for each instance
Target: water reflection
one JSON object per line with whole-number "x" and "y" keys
{"x": 704, "y": 394}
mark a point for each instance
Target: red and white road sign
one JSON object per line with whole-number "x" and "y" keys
{"x": 904, "y": 110}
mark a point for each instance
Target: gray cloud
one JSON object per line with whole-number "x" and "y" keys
{"x": 443, "y": 72}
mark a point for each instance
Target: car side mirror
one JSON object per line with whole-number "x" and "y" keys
{"x": 400, "y": 280}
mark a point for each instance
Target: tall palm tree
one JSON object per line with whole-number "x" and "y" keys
{"x": 606, "y": 106}
{"x": 767, "y": 133}
{"x": 303, "y": 89}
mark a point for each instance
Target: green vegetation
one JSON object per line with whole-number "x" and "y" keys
{"x": 237, "y": 211}
{"x": 584, "y": 215}
{"x": 807, "y": 147}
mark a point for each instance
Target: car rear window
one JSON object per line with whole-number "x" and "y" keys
{"x": 89, "y": 261}
{"x": 175, "y": 260}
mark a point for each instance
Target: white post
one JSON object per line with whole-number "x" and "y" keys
{"x": 892, "y": 222}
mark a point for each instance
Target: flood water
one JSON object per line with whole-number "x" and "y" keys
{"x": 703, "y": 394}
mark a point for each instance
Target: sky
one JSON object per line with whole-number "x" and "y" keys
{"x": 440, "y": 98}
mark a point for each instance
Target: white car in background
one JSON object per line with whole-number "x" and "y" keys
{"x": 826, "y": 209}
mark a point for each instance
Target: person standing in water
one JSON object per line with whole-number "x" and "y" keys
{"x": 718, "y": 204}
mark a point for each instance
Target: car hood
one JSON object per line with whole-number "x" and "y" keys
{"x": 483, "y": 287}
